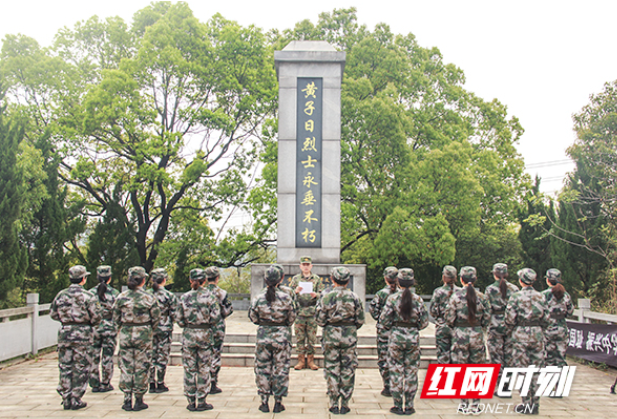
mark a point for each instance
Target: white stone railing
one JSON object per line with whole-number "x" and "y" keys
{"x": 584, "y": 313}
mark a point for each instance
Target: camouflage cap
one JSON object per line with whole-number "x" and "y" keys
{"x": 390, "y": 273}
{"x": 280, "y": 268}
{"x": 306, "y": 259}
{"x": 468, "y": 273}
{"x": 274, "y": 273}
{"x": 500, "y": 268}
{"x": 527, "y": 276}
{"x": 159, "y": 274}
{"x": 103, "y": 271}
{"x": 449, "y": 271}
{"x": 341, "y": 274}
{"x": 212, "y": 272}
{"x": 405, "y": 274}
{"x": 137, "y": 272}
{"x": 553, "y": 275}
{"x": 197, "y": 274}
{"x": 78, "y": 271}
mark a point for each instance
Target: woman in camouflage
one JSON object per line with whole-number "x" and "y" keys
{"x": 273, "y": 310}
{"x": 437, "y": 308}
{"x": 136, "y": 312}
{"x": 104, "y": 336}
{"x": 497, "y": 295}
{"x": 560, "y": 306}
{"x": 198, "y": 313}
{"x": 468, "y": 314}
{"x": 375, "y": 307}
{"x": 404, "y": 316}
{"x": 161, "y": 338}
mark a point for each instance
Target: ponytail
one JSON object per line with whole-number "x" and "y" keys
{"x": 406, "y": 305}
{"x": 156, "y": 283}
{"x": 471, "y": 303}
{"x": 557, "y": 289}
{"x": 102, "y": 289}
{"x": 503, "y": 285}
{"x": 271, "y": 293}
{"x": 196, "y": 283}
{"x": 134, "y": 282}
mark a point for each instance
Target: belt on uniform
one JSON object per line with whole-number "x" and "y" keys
{"x": 503, "y": 310}
{"x": 465, "y": 324}
{"x": 76, "y": 324}
{"x": 136, "y": 324}
{"x": 309, "y": 303}
{"x": 529, "y": 324}
{"x": 197, "y": 326}
{"x": 406, "y": 324}
{"x": 558, "y": 316}
{"x": 272, "y": 324}
{"x": 341, "y": 324}
{"x": 107, "y": 317}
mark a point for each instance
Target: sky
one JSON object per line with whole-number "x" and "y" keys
{"x": 541, "y": 58}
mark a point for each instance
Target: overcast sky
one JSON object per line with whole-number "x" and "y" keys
{"x": 542, "y": 59}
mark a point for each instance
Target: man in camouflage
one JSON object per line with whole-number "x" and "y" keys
{"x": 437, "y": 308}
{"x": 218, "y": 330}
{"x": 78, "y": 311}
{"x": 375, "y": 307}
{"x": 104, "y": 336}
{"x": 136, "y": 312}
{"x": 526, "y": 318}
{"x": 273, "y": 342}
{"x": 305, "y": 326}
{"x": 341, "y": 314}
{"x": 556, "y": 334}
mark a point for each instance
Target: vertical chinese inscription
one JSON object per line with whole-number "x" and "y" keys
{"x": 308, "y": 162}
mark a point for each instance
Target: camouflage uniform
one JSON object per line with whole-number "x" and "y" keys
{"x": 305, "y": 326}
{"x": 497, "y": 337}
{"x": 437, "y": 308}
{"x": 273, "y": 344}
{"x": 556, "y": 334}
{"x": 404, "y": 346}
{"x": 104, "y": 336}
{"x": 526, "y": 318}
{"x": 136, "y": 312}
{"x": 78, "y": 311}
{"x": 383, "y": 335}
{"x": 467, "y": 340}
{"x": 198, "y": 313}
{"x": 162, "y": 334}
{"x": 218, "y": 330}
{"x": 341, "y": 314}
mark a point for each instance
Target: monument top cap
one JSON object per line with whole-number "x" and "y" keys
{"x": 309, "y": 46}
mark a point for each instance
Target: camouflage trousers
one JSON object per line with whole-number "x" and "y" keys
{"x": 498, "y": 348}
{"x": 272, "y": 368}
{"x": 103, "y": 348}
{"x": 196, "y": 359}
{"x": 382, "y": 357}
{"x": 556, "y": 344}
{"x": 161, "y": 347}
{"x": 443, "y": 341}
{"x": 404, "y": 361}
{"x": 340, "y": 363}
{"x": 306, "y": 335}
{"x": 525, "y": 354}
{"x": 217, "y": 348}
{"x": 74, "y": 365}
{"x": 468, "y": 348}
{"x": 135, "y": 349}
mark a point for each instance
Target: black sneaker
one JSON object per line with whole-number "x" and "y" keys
{"x": 264, "y": 408}
{"x": 214, "y": 389}
{"x": 204, "y": 406}
{"x": 161, "y": 388}
{"x": 139, "y": 405}
{"x": 191, "y": 407}
{"x": 128, "y": 406}
{"x": 96, "y": 389}
{"x": 152, "y": 387}
{"x": 105, "y": 388}
{"x": 386, "y": 392}
{"x": 67, "y": 404}
{"x": 334, "y": 410}
{"x": 278, "y": 407}
{"x": 410, "y": 411}
{"x": 78, "y": 404}
{"x": 344, "y": 409}
{"x": 397, "y": 410}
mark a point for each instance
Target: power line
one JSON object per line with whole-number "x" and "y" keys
{"x": 548, "y": 164}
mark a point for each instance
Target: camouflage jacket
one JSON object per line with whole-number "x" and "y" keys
{"x": 558, "y": 309}
{"x": 106, "y": 326}
{"x": 75, "y": 305}
{"x": 340, "y": 306}
{"x": 198, "y": 309}
{"x": 305, "y": 304}
{"x": 439, "y": 302}
{"x": 458, "y": 311}
{"x": 527, "y": 315}
{"x": 390, "y": 316}
{"x": 281, "y": 311}
{"x": 137, "y": 307}
{"x": 168, "y": 303}
{"x": 225, "y": 307}
{"x": 498, "y": 305}
{"x": 377, "y": 304}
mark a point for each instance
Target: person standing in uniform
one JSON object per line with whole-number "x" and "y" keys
{"x": 404, "y": 315}
{"x": 375, "y": 307}
{"x": 498, "y": 294}
{"x": 341, "y": 314}
{"x": 198, "y": 314}
{"x": 218, "y": 331}
{"x": 79, "y": 311}
{"x": 526, "y": 318}
{"x": 104, "y": 336}
{"x": 305, "y": 326}
{"x": 560, "y": 306}
{"x": 136, "y": 312}
{"x": 273, "y": 310}
{"x": 439, "y": 305}
{"x": 467, "y": 314}
{"x": 162, "y": 334}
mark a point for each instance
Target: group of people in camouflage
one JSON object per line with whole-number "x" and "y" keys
{"x": 520, "y": 327}
{"x": 143, "y": 322}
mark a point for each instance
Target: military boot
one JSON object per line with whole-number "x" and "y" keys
{"x": 278, "y": 406}
{"x": 311, "y": 362}
{"x": 67, "y": 403}
{"x": 202, "y": 405}
{"x": 78, "y": 404}
{"x": 128, "y": 402}
{"x": 191, "y": 406}
{"x": 301, "y": 363}
{"x": 139, "y": 403}
{"x": 161, "y": 388}
{"x": 152, "y": 387}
